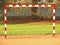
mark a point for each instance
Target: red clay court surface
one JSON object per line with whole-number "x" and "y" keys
{"x": 31, "y": 40}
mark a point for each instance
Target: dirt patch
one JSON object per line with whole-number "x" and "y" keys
{"x": 31, "y": 40}
{"x": 30, "y": 36}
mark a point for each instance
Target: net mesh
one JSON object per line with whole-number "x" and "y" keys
{"x": 29, "y": 21}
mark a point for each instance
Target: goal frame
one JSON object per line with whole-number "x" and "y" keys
{"x": 28, "y": 5}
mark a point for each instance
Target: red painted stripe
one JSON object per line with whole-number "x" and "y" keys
{"x": 53, "y": 27}
{"x": 33, "y": 4}
{"x": 5, "y": 36}
{"x": 54, "y": 21}
{"x": 27, "y": 4}
{"x": 4, "y": 15}
{"x": 54, "y": 34}
{"x": 4, "y": 21}
{"x": 5, "y": 6}
{"x": 53, "y": 6}
{"x": 46, "y": 5}
{"x": 20, "y": 4}
{"x": 54, "y": 14}
{"x": 5, "y": 29}
{"x": 39, "y": 4}
{"x": 13, "y": 4}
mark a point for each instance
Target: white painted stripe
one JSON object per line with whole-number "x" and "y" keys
{"x": 36, "y": 6}
{"x": 5, "y": 11}
{"x": 5, "y": 18}
{"x": 49, "y": 5}
{"x": 10, "y": 5}
{"x": 5, "y": 25}
{"x": 5, "y": 32}
{"x": 42, "y": 5}
{"x": 30, "y": 6}
{"x": 53, "y": 17}
{"x": 53, "y": 10}
{"x": 23, "y": 5}
{"x": 17, "y": 5}
{"x": 53, "y": 24}
{"x": 53, "y": 31}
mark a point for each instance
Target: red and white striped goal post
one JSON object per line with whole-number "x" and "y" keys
{"x": 28, "y": 5}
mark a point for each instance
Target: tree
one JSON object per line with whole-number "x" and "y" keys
{"x": 34, "y": 9}
{"x": 35, "y": 1}
{"x": 2, "y": 7}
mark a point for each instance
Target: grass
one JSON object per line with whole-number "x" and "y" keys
{"x": 29, "y": 28}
